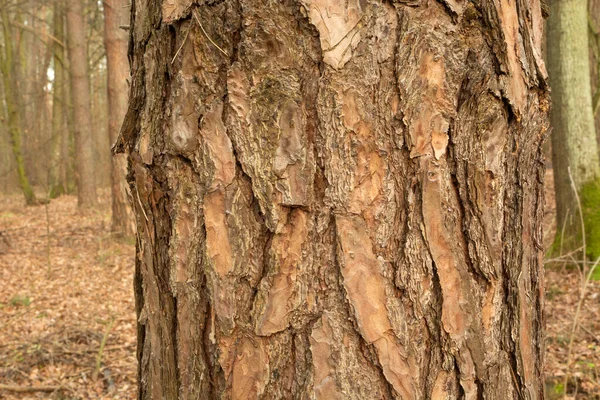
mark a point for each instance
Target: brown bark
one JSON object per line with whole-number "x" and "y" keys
{"x": 57, "y": 171}
{"x": 80, "y": 94}
{"x": 116, "y": 14}
{"x": 10, "y": 71}
{"x": 338, "y": 200}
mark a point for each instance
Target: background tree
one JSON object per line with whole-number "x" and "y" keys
{"x": 116, "y": 14}
{"x": 336, "y": 200}
{"x": 57, "y": 172}
{"x": 81, "y": 97}
{"x": 10, "y": 70}
{"x": 574, "y": 145}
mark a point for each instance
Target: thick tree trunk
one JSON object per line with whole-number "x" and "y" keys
{"x": 338, "y": 200}
{"x": 80, "y": 92}
{"x": 574, "y": 145}
{"x": 116, "y": 14}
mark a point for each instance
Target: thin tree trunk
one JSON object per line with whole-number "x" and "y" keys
{"x": 41, "y": 131}
{"x": 574, "y": 145}
{"x": 80, "y": 94}
{"x": 115, "y": 40}
{"x": 338, "y": 200}
{"x": 68, "y": 139}
{"x": 8, "y": 67}
{"x": 57, "y": 181}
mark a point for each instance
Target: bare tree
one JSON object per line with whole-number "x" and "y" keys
{"x": 338, "y": 200}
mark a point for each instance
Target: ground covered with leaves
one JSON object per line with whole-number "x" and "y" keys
{"x": 67, "y": 320}
{"x": 67, "y": 323}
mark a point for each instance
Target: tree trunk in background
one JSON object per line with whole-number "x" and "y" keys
{"x": 80, "y": 92}
{"x": 28, "y": 64}
{"x": 68, "y": 139}
{"x": 574, "y": 145}
{"x": 8, "y": 68}
{"x": 42, "y": 134}
{"x": 116, "y": 13}
{"x": 594, "y": 16}
{"x": 338, "y": 200}
{"x": 8, "y": 179}
{"x": 57, "y": 177}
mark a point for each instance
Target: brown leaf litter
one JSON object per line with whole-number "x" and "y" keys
{"x": 59, "y": 294}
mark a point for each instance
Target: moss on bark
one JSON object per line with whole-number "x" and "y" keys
{"x": 590, "y": 205}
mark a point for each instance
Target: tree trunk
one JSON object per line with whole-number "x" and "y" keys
{"x": 594, "y": 51}
{"x": 80, "y": 92}
{"x": 115, "y": 40}
{"x": 338, "y": 200}
{"x": 68, "y": 139}
{"x": 574, "y": 146}
{"x": 8, "y": 67}
{"x": 57, "y": 175}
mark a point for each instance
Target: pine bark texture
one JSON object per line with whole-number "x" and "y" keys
{"x": 116, "y": 14}
{"x": 338, "y": 200}
{"x": 574, "y": 145}
{"x": 81, "y": 97}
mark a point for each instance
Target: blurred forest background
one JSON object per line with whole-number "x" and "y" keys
{"x": 67, "y": 321}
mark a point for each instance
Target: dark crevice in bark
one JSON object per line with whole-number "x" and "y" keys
{"x": 237, "y": 34}
{"x": 176, "y": 345}
{"x": 293, "y": 359}
{"x": 433, "y": 318}
{"x": 173, "y": 33}
{"x": 466, "y": 210}
{"x": 403, "y": 183}
{"x": 264, "y": 272}
{"x": 214, "y": 2}
{"x": 460, "y": 391}
{"x": 479, "y": 384}
{"x": 449, "y": 10}
{"x": 139, "y": 305}
{"x": 510, "y": 319}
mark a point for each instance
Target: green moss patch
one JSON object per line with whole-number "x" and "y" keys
{"x": 590, "y": 204}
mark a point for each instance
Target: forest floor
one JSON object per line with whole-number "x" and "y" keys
{"x": 67, "y": 321}
{"x": 61, "y": 295}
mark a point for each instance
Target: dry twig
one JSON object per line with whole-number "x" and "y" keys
{"x": 195, "y": 13}
{"x": 28, "y": 389}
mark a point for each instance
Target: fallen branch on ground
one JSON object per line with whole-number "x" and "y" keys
{"x": 25, "y": 389}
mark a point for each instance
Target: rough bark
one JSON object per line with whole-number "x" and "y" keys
{"x": 81, "y": 97}
{"x": 574, "y": 145}
{"x": 116, "y": 14}
{"x": 338, "y": 200}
